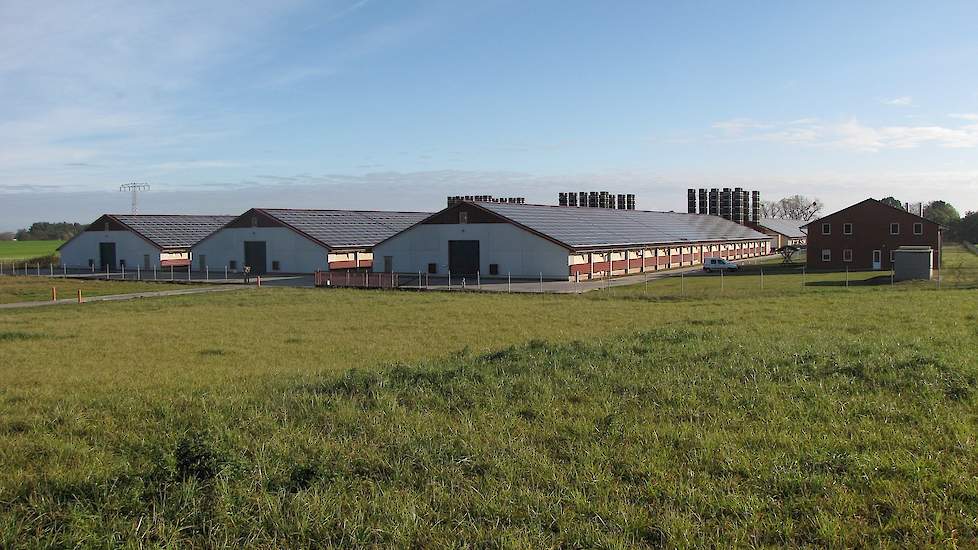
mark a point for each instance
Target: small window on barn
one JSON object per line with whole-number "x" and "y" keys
{"x": 826, "y": 254}
{"x": 894, "y": 229}
{"x": 106, "y": 226}
{"x": 254, "y": 221}
{"x": 847, "y": 255}
{"x": 847, "y": 229}
{"x": 432, "y": 268}
{"x": 918, "y": 228}
{"x": 276, "y": 266}
{"x": 826, "y": 229}
{"x": 463, "y": 217}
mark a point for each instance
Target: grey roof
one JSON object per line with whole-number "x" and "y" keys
{"x": 172, "y": 230}
{"x": 604, "y": 227}
{"x": 788, "y": 228}
{"x": 346, "y": 228}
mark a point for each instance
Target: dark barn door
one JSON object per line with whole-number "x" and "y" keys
{"x": 106, "y": 254}
{"x": 463, "y": 257}
{"x": 254, "y": 256}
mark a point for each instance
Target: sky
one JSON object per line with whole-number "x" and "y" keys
{"x": 225, "y": 105}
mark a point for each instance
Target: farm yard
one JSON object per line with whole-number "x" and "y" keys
{"x": 809, "y": 414}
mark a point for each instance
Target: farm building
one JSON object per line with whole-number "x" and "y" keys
{"x": 867, "y": 235}
{"x": 273, "y": 240}
{"x": 782, "y": 232}
{"x": 561, "y": 242}
{"x": 145, "y": 240}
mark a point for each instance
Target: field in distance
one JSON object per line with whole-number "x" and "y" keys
{"x": 820, "y": 415}
{"x": 22, "y": 250}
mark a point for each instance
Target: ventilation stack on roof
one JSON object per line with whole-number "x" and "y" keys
{"x": 737, "y": 212}
{"x": 562, "y": 199}
{"x": 725, "y": 203}
{"x": 755, "y": 207}
{"x": 703, "y": 202}
{"x": 622, "y": 204}
{"x": 691, "y": 201}
{"x": 582, "y": 198}
{"x": 630, "y": 201}
{"x": 714, "y": 202}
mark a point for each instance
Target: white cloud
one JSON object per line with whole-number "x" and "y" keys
{"x": 902, "y": 101}
{"x": 854, "y": 135}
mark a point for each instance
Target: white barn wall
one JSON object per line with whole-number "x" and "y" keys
{"x": 517, "y": 251}
{"x": 129, "y": 247}
{"x": 295, "y": 253}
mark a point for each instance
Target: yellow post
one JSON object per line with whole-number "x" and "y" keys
{"x": 80, "y": 300}
{"x": 259, "y": 280}
{"x": 54, "y": 294}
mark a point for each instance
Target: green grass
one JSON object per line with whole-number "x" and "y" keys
{"x": 819, "y": 416}
{"x": 31, "y": 289}
{"x": 22, "y": 250}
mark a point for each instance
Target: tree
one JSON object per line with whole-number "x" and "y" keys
{"x": 942, "y": 213}
{"x": 966, "y": 228}
{"x": 48, "y": 231}
{"x": 6, "y": 236}
{"x": 796, "y": 207}
{"x": 892, "y": 202}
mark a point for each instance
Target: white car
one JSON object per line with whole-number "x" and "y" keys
{"x": 718, "y": 264}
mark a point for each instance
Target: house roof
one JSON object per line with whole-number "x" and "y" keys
{"x": 165, "y": 231}
{"x": 788, "y": 228}
{"x": 583, "y": 228}
{"x": 881, "y": 204}
{"x": 337, "y": 229}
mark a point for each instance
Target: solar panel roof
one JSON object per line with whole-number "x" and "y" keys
{"x": 346, "y": 228}
{"x": 173, "y": 230}
{"x": 789, "y": 228}
{"x": 605, "y": 227}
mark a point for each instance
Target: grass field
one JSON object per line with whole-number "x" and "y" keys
{"x": 21, "y": 250}
{"x": 813, "y": 415}
{"x": 32, "y": 289}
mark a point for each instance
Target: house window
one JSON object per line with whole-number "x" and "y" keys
{"x": 463, "y": 217}
{"x": 847, "y": 229}
{"x": 894, "y": 229}
{"x": 826, "y": 254}
{"x": 918, "y": 228}
{"x": 276, "y": 266}
{"x": 494, "y": 269}
{"x": 432, "y": 268}
{"x": 847, "y": 255}
{"x": 826, "y": 229}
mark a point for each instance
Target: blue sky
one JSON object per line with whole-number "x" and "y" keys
{"x": 363, "y": 103}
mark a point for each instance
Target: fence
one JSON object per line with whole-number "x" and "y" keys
{"x": 348, "y": 279}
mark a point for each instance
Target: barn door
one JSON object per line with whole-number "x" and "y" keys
{"x": 255, "y": 257}
{"x": 106, "y": 253}
{"x": 463, "y": 257}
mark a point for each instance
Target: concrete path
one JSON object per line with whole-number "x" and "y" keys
{"x": 120, "y": 297}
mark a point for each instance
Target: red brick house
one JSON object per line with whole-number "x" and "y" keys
{"x": 865, "y": 235}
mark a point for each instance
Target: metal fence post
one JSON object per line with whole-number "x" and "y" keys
{"x": 171, "y": 272}
{"x": 51, "y": 270}
{"x": 478, "y": 279}
{"x": 541, "y": 282}
{"x": 207, "y": 273}
{"x": 225, "y": 272}
{"x": 449, "y": 279}
{"x": 139, "y": 274}
{"x": 509, "y": 281}
{"x": 39, "y": 269}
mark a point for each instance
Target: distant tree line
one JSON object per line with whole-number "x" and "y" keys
{"x": 796, "y": 207}
{"x": 44, "y": 231}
